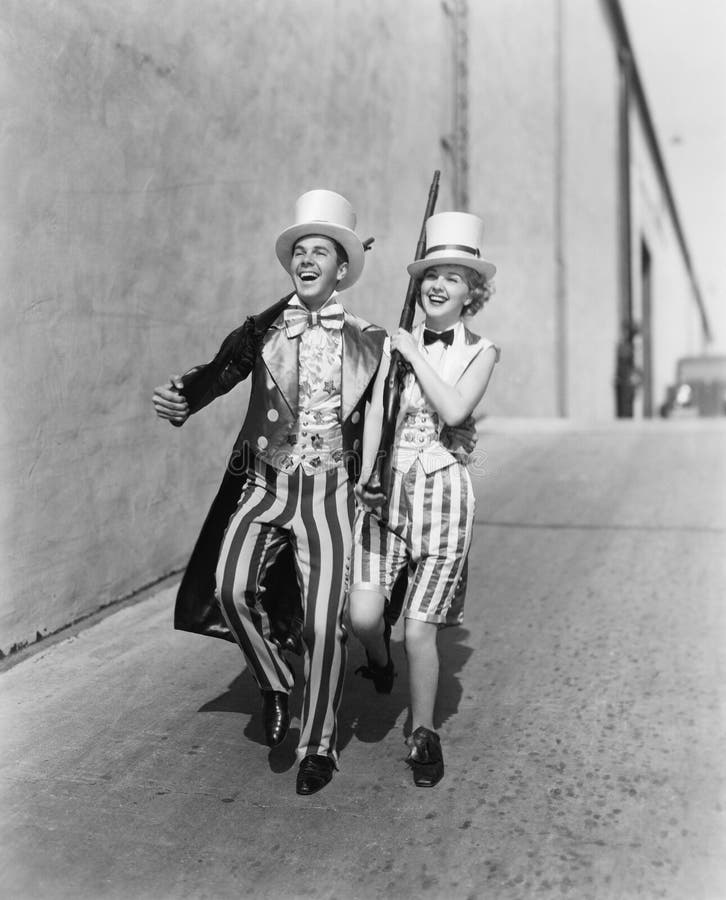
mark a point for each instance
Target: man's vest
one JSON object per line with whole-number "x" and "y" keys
{"x": 273, "y": 406}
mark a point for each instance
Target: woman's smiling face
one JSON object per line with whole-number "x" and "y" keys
{"x": 444, "y": 295}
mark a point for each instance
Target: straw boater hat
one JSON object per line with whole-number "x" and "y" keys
{"x": 454, "y": 238}
{"x": 329, "y": 214}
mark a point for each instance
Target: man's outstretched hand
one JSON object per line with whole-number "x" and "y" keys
{"x": 169, "y": 403}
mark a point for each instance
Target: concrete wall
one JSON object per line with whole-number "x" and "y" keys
{"x": 513, "y": 161}
{"x": 152, "y": 151}
{"x": 544, "y": 138}
{"x": 590, "y": 185}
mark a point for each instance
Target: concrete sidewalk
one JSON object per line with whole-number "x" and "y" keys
{"x": 581, "y": 714}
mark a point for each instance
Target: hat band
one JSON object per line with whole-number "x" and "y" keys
{"x": 472, "y": 251}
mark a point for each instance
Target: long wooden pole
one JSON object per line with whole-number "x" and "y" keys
{"x": 379, "y": 480}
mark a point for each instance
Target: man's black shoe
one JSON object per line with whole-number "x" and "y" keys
{"x": 276, "y": 716}
{"x": 314, "y": 773}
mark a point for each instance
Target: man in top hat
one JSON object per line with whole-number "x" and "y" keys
{"x": 299, "y": 448}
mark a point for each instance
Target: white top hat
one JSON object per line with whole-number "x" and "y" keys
{"x": 329, "y": 214}
{"x": 454, "y": 238}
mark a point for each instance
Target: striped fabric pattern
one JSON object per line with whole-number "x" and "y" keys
{"x": 428, "y": 525}
{"x": 315, "y": 514}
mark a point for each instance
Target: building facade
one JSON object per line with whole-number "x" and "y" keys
{"x": 153, "y": 151}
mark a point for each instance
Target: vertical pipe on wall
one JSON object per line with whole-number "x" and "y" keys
{"x": 561, "y": 348}
{"x": 625, "y": 356}
{"x": 460, "y": 12}
{"x": 626, "y": 262}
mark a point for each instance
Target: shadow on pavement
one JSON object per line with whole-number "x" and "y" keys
{"x": 453, "y": 656}
{"x": 365, "y": 714}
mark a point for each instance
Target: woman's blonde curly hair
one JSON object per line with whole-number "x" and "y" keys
{"x": 481, "y": 290}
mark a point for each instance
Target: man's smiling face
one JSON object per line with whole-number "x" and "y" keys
{"x": 315, "y": 269}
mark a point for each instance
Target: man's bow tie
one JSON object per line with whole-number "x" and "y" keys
{"x": 298, "y": 319}
{"x": 446, "y": 337}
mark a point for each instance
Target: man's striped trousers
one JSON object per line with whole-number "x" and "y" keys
{"x": 314, "y": 513}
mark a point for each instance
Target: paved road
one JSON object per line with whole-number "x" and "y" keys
{"x": 581, "y": 712}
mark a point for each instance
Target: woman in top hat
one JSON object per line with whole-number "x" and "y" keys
{"x": 426, "y": 523}
{"x": 297, "y": 450}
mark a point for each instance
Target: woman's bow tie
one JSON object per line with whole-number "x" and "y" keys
{"x": 446, "y": 337}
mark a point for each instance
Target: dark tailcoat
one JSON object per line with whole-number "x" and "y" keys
{"x": 262, "y": 347}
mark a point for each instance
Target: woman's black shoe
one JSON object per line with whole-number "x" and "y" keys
{"x": 381, "y": 676}
{"x": 426, "y": 758}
